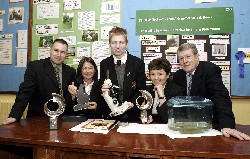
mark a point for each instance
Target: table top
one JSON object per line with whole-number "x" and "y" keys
{"x": 35, "y": 131}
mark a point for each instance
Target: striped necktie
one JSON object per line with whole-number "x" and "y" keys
{"x": 58, "y": 80}
{"x": 189, "y": 83}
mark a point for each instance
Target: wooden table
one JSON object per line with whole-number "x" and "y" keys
{"x": 64, "y": 144}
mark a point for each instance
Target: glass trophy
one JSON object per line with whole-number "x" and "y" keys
{"x": 82, "y": 98}
{"x": 144, "y": 105}
{"x": 57, "y": 101}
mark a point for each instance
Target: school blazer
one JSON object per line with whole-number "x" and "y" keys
{"x": 134, "y": 80}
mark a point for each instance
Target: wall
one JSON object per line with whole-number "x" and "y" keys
{"x": 241, "y": 111}
{"x": 12, "y": 76}
{"x": 240, "y": 38}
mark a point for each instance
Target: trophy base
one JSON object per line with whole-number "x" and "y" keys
{"x": 53, "y": 123}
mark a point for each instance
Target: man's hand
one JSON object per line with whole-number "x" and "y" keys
{"x": 9, "y": 121}
{"x": 227, "y": 132}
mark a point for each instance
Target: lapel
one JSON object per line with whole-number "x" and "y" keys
{"x": 49, "y": 70}
{"x": 151, "y": 90}
{"x": 65, "y": 76}
{"x": 112, "y": 72}
{"x": 128, "y": 74}
{"x": 196, "y": 80}
{"x": 182, "y": 80}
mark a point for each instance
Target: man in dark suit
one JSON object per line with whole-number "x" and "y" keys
{"x": 206, "y": 81}
{"x": 40, "y": 81}
{"x": 125, "y": 71}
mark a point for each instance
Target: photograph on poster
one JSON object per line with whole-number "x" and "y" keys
{"x": 45, "y": 41}
{"x": 172, "y": 41}
{"x": 68, "y": 20}
{"x": 90, "y": 35}
{"x": 16, "y": 15}
{"x": 219, "y": 50}
{"x": 71, "y": 52}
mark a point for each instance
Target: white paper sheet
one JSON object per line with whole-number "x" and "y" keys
{"x": 162, "y": 129}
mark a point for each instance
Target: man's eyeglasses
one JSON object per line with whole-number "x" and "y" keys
{"x": 187, "y": 57}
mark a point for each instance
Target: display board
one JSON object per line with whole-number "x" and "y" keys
{"x": 14, "y": 18}
{"x": 240, "y": 38}
{"x": 214, "y": 48}
{"x": 83, "y": 24}
{"x": 12, "y": 76}
{"x": 185, "y": 21}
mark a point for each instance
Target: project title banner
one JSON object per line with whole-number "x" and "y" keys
{"x": 218, "y": 20}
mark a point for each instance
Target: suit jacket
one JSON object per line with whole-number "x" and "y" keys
{"x": 134, "y": 80}
{"x": 38, "y": 85}
{"x": 207, "y": 83}
{"x": 170, "y": 90}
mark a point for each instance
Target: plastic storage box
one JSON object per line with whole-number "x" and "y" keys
{"x": 190, "y": 114}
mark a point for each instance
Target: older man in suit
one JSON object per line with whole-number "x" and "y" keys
{"x": 202, "y": 78}
{"x": 40, "y": 81}
{"x": 125, "y": 71}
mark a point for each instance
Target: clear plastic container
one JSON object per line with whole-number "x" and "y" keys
{"x": 190, "y": 114}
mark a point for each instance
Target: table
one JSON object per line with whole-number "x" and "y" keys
{"x": 63, "y": 144}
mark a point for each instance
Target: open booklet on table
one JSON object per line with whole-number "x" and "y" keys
{"x": 95, "y": 126}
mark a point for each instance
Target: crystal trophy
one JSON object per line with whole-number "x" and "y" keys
{"x": 59, "y": 100}
{"x": 145, "y": 105}
{"x": 82, "y": 99}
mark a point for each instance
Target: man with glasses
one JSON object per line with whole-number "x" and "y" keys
{"x": 202, "y": 78}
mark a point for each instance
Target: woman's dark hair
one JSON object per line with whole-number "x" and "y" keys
{"x": 79, "y": 77}
{"x": 160, "y": 63}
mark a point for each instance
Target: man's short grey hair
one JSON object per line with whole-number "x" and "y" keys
{"x": 187, "y": 46}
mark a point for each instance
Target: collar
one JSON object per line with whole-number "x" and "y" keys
{"x": 91, "y": 84}
{"x": 123, "y": 59}
{"x": 55, "y": 65}
{"x": 190, "y": 73}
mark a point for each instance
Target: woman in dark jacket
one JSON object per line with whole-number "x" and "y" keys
{"x": 162, "y": 89}
{"x": 87, "y": 76}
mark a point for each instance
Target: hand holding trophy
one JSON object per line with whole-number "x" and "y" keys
{"x": 82, "y": 99}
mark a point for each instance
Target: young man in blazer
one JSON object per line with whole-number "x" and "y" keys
{"x": 130, "y": 80}
{"x": 207, "y": 82}
{"x": 40, "y": 81}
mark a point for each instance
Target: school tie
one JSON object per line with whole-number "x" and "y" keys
{"x": 189, "y": 83}
{"x": 58, "y": 80}
{"x": 119, "y": 62}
